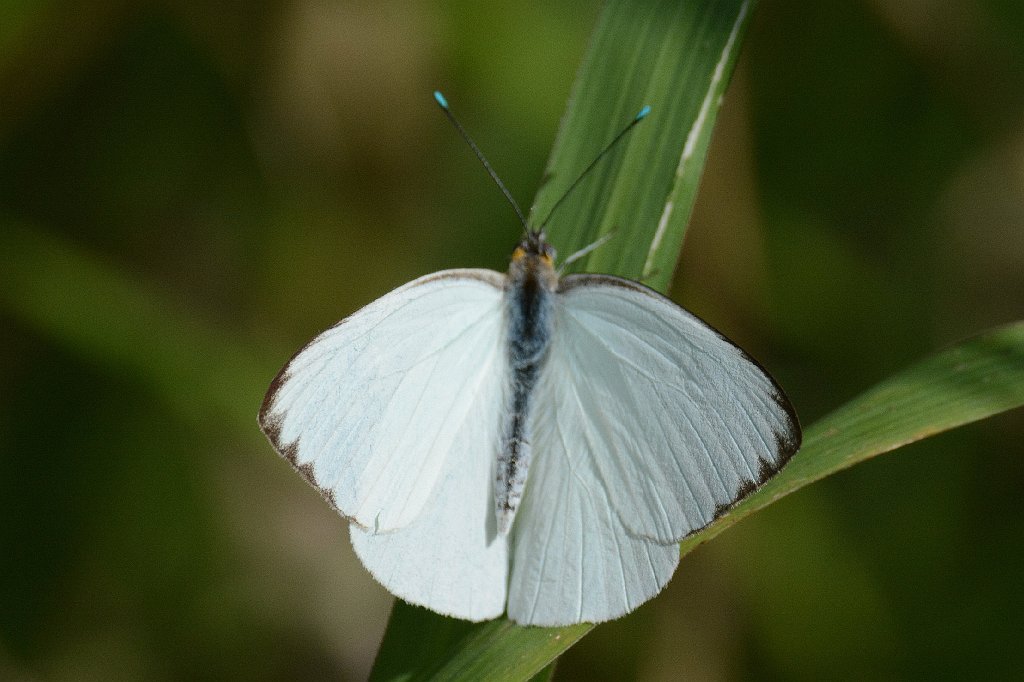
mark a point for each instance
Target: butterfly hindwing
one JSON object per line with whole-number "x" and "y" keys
{"x": 573, "y": 559}
{"x": 451, "y": 558}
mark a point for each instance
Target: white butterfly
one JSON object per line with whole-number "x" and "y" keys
{"x": 527, "y": 443}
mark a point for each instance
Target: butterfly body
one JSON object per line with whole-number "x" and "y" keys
{"x": 529, "y": 302}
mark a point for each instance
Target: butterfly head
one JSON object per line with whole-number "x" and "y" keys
{"x": 534, "y": 260}
{"x": 534, "y": 246}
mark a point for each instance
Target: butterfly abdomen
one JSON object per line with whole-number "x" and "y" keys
{"x": 529, "y": 302}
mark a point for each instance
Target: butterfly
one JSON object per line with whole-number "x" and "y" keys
{"x": 527, "y": 443}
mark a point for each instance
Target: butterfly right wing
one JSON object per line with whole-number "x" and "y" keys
{"x": 369, "y": 411}
{"x": 680, "y": 422}
{"x": 647, "y": 425}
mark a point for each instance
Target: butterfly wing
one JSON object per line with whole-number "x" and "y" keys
{"x": 451, "y": 559}
{"x": 370, "y": 410}
{"x": 648, "y": 424}
{"x": 682, "y": 423}
{"x": 573, "y": 559}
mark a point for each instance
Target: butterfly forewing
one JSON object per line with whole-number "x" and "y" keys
{"x": 369, "y": 410}
{"x": 678, "y": 422}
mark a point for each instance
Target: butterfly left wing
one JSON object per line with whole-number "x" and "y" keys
{"x": 368, "y": 411}
{"x": 647, "y": 425}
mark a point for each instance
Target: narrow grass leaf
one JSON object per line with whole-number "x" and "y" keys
{"x": 675, "y": 57}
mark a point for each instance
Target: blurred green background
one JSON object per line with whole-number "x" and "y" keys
{"x": 189, "y": 192}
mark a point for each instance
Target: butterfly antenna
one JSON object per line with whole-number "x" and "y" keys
{"x": 641, "y": 115}
{"x": 443, "y": 103}
{"x": 584, "y": 251}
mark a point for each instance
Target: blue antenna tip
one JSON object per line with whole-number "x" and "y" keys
{"x": 442, "y": 101}
{"x": 643, "y": 112}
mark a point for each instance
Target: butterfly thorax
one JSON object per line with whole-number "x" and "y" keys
{"x": 529, "y": 303}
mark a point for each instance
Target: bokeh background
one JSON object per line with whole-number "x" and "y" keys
{"x": 188, "y": 192}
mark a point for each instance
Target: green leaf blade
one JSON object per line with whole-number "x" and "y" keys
{"x": 677, "y": 58}
{"x": 497, "y": 650}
